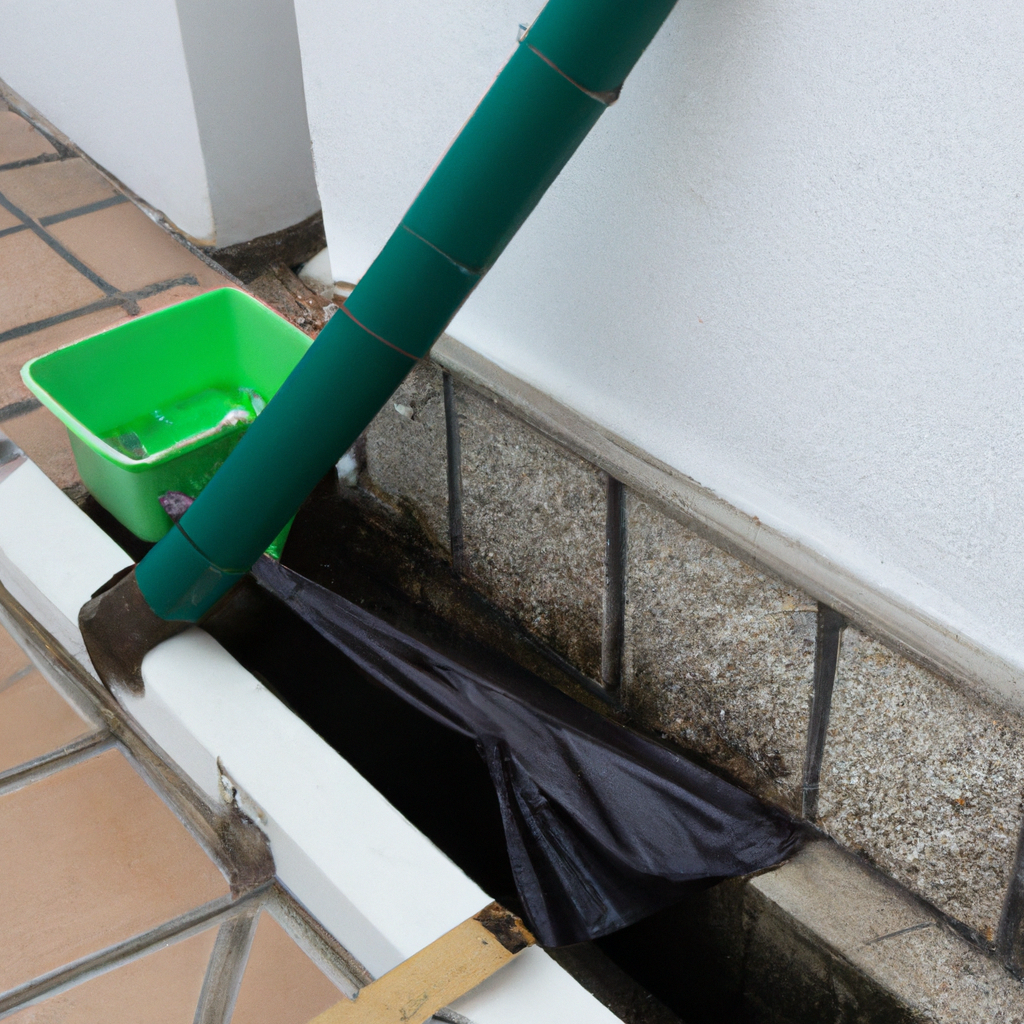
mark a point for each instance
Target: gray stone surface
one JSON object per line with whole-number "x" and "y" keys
{"x": 924, "y": 779}
{"x": 405, "y": 452}
{"x": 717, "y": 654}
{"x": 534, "y": 522}
{"x": 825, "y": 928}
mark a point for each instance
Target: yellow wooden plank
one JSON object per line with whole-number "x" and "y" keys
{"x": 437, "y": 975}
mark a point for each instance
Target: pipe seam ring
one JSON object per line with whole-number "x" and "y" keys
{"x": 608, "y": 97}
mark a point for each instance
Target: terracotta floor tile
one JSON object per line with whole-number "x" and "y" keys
{"x": 44, "y": 439}
{"x": 18, "y": 351}
{"x": 36, "y": 283}
{"x": 35, "y": 720}
{"x": 126, "y": 248}
{"x": 90, "y": 856}
{"x": 8, "y": 220}
{"x": 12, "y": 658}
{"x": 19, "y": 140}
{"x": 281, "y": 985}
{"x": 161, "y": 988}
{"x": 43, "y": 189}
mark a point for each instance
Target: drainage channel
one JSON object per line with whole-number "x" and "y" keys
{"x": 678, "y": 964}
{"x": 438, "y": 781}
{"x": 675, "y": 966}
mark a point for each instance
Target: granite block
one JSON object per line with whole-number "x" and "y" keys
{"x": 923, "y": 778}
{"x": 534, "y": 524}
{"x": 718, "y": 655}
{"x": 406, "y": 461}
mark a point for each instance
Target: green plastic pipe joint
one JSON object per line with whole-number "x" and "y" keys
{"x": 566, "y": 70}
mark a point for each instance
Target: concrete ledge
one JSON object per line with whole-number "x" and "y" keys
{"x": 826, "y": 938}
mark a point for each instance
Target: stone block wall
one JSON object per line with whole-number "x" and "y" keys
{"x": 919, "y": 774}
{"x": 925, "y": 779}
{"x": 534, "y": 520}
{"x": 719, "y": 656}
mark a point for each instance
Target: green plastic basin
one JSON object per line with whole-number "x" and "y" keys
{"x": 156, "y": 404}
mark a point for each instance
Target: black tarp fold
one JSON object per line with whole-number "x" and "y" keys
{"x": 603, "y": 826}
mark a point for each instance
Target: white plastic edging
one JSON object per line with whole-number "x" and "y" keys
{"x": 377, "y": 883}
{"x": 52, "y": 555}
{"x": 329, "y": 827}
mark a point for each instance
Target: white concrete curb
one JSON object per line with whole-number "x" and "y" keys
{"x": 376, "y": 882}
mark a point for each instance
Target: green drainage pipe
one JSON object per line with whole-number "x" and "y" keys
{"x": 566, "y": 70}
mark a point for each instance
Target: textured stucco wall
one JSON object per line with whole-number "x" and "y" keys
{"x": 243, "y": 62}
{"x": 114, "y": 79}
{"x": 196, "y": 105}
{"x": 787, "y": 263}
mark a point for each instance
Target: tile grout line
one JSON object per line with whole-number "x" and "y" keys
{"x": 236, "y": 845}
{"x": 32, "y": 161}
{"x": 19, "y": 106}
{"x": 70, "y": 258}
{"x": 15, "y": 677}
{"x": 10, "y": 454}
{"x": 57, "y": 760}
{"x": 316, "y": 941}
{"x": 453, "y": 453}
{"x": 613, "y": 626}
{"x": 72, "y": 214}
{"x": 180, "y": 927}
{"x": 828, "y": 638}
{"x": 127, "y": 299}
{"x": 59, "y": 318}
{"x": 225, "y": 968}
{"x": 336, "y": 962}
{"x": 68, "y": 150}
{"x": 81, "y": 211}
{"x": 21, "y": 408}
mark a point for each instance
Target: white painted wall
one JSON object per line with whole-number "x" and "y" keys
{"x": 787, "y": 263}
{"x": 113, "y": 78}
{"x": 243, "y": 62}
{"x": 196, "y": 105}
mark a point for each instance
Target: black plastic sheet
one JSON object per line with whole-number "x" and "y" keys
{"x": 603, "y": 826}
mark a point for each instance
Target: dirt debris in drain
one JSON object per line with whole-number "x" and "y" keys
{"x": 280, "y": 288}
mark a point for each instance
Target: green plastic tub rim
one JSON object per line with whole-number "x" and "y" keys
{"x": 237, "y": 334}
